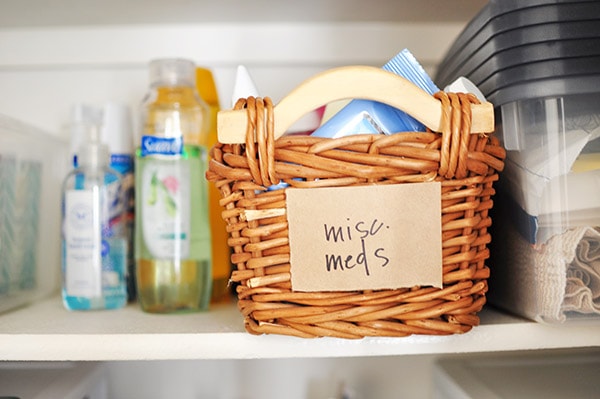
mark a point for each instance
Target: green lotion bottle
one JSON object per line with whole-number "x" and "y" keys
{"x": 173, "y": 241}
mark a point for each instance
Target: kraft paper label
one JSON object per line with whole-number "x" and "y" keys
{"x": 365, "y": 237}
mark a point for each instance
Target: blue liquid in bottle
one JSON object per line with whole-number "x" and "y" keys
{"x": 94, "y": 245}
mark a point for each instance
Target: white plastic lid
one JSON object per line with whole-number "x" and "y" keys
{"x": 117, "y": 131}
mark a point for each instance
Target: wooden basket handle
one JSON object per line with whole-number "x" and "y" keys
{"x": 352, "y": 82}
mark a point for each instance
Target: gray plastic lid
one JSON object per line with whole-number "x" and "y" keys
{"x": 500, "y": 8}
{"x": 549, "y": 32}
{"x": 502, "y": 15}
{"x": 577, "y": 66}
{"x": 549, "y": 87}
{"x": 531, "y": 53}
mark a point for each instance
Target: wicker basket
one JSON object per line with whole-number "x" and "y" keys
{"x": 466, "y": 164}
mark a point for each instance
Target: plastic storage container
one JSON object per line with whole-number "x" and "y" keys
{"x": 547, "y": 51}
{"x": 32, "y": 166}
{"x": 537, "y": 62}
{"x": 548, "y": 209}
{"x": 514, "y": 50}
{"x": 547, "y": 266}
{"x": 502, "y": 25}
{"x": 538, "y": 71}
{"x": 499, "y": 16}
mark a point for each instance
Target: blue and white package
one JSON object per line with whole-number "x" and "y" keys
{"x": 366, "y": 116}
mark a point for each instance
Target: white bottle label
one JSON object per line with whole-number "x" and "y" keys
{"x": 83, "y": 243}
{"x": 166, "y": 208}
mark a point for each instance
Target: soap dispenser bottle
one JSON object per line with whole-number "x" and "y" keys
{"x": 94, "y": 245}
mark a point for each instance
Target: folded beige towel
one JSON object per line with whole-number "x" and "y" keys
{"x": 582, "y": 293}
{"x": 568, "y": 271}
{"x": 545, "y": 281}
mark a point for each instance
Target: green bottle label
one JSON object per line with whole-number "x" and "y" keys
{"x": 166, "y": 207}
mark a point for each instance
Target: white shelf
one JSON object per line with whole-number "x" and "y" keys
{"x": 46, "y": 331}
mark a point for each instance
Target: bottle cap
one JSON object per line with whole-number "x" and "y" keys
{"x": 83, "y": 116}
{"x": 116, "y": 130}
{"x": 205, "y": 84}
{"x": 93, "y": 152}
{"x": 172, "y": 72}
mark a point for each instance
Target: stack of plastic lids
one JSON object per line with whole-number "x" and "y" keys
{"x": 523, "y": 49}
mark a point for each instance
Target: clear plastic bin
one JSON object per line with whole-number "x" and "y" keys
{"x": 545, "y": 256}
{"x": 32, "y": 166}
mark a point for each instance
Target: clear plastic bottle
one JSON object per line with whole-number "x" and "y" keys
{"x": 173, "y": 242}
{"x": 94, "y": 244}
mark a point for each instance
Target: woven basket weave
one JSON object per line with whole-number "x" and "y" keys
{"x": 466, "y": 165}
